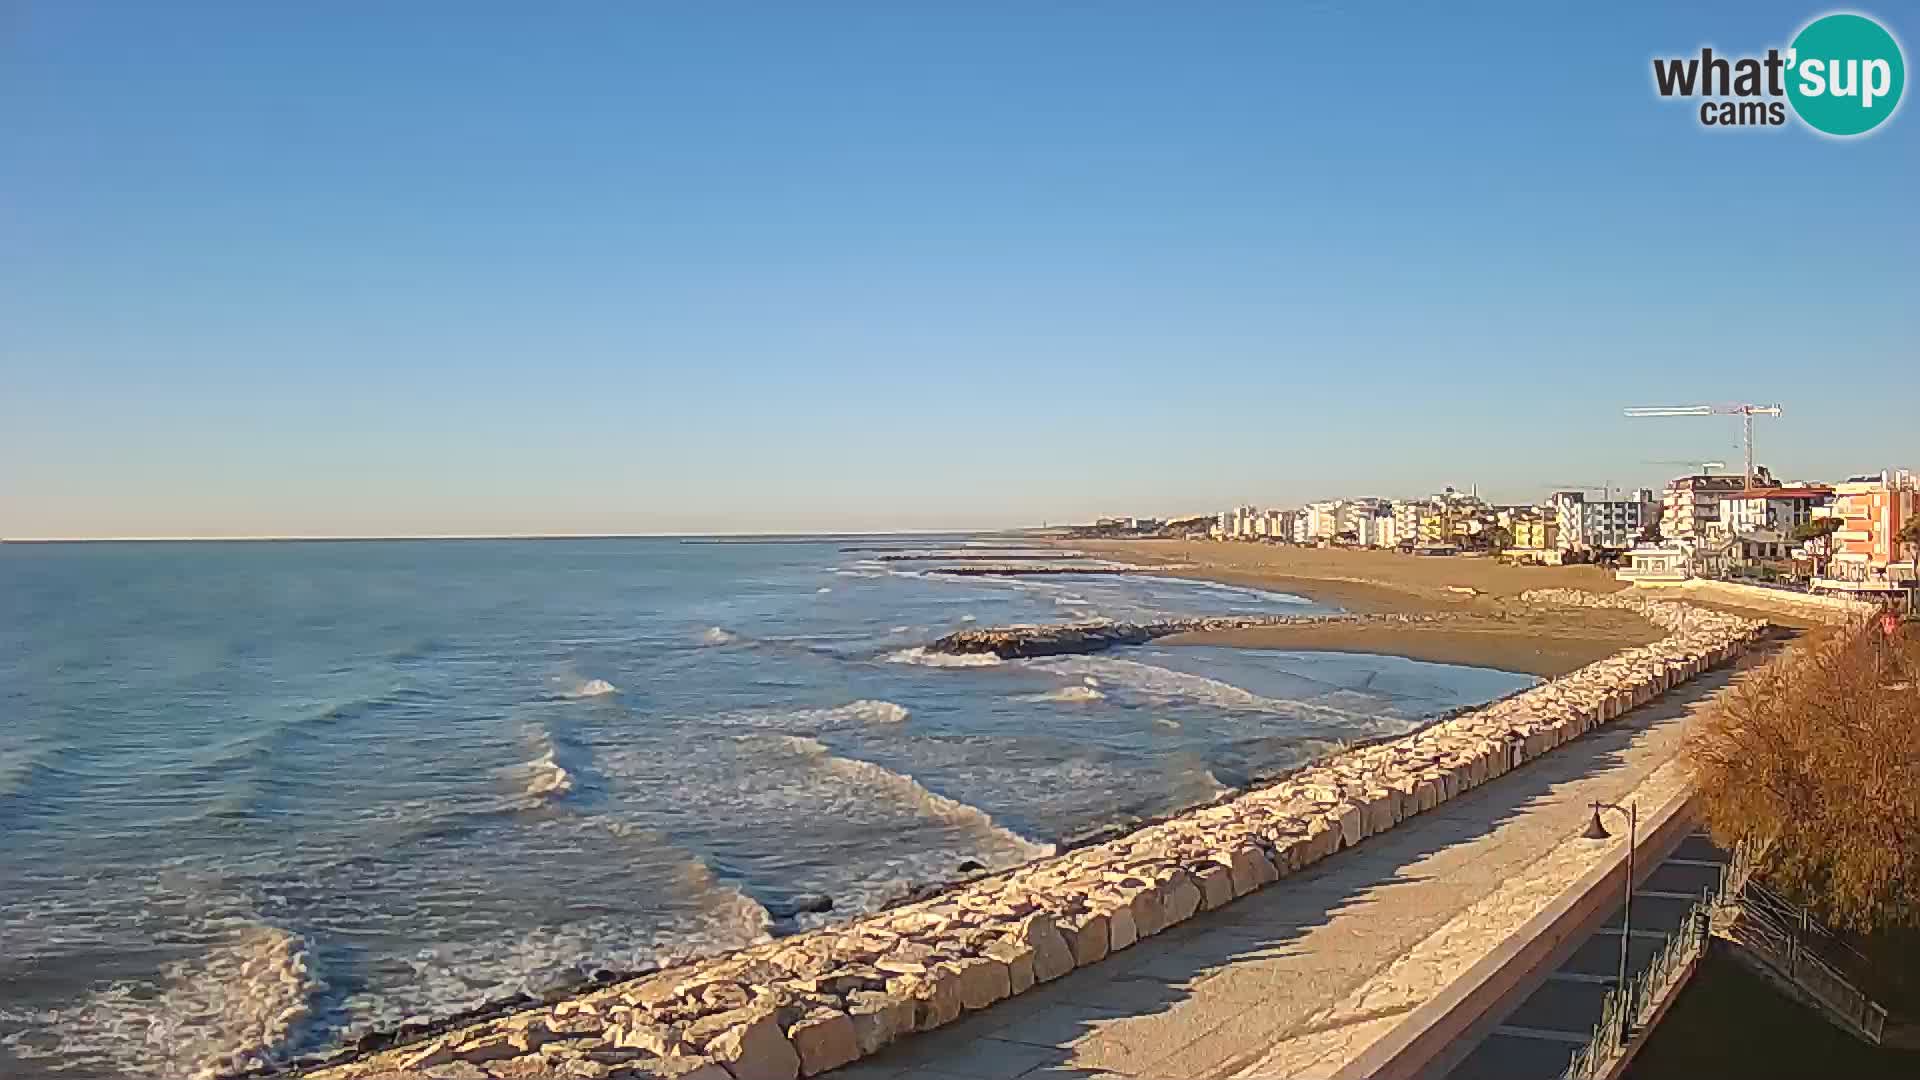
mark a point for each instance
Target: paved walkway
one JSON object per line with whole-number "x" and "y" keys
{"x": 1294, "y": 979}
{"x": 1535, "y": 1039}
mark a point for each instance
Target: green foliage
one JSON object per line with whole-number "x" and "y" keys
{"x": 1817, "y": 529}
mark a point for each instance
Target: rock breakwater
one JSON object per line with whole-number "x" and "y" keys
{"x": 1035, "y": 569}
{"x": 1055, "y": 639}
{"x": 802, "y": 1005}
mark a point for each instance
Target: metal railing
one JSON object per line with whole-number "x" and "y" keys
{"x": 1786, "y": 937}
{"x": 1779, "y": 932}
{"x": 1626, "y": 1009}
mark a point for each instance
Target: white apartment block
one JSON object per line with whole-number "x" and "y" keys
{"x": 1322, "y": 520}
{"x": 1691, "y": 504}
{"x": 1603, "y": 523}
{"x": 1778, "y": 509}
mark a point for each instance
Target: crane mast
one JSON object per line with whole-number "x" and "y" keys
{"x": 1746, "y": 413}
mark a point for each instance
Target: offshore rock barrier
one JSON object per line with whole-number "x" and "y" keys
{"x": 963, "y": 557}
{"x": 803, "y": 1005}
{"x": 1035, "y": 569}
{"x": 1054, "y": 639}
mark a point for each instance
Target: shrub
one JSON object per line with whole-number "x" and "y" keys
{"x": 1820, "y": 752}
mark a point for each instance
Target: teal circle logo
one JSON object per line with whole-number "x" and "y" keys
{"x": 1845, "y": 74}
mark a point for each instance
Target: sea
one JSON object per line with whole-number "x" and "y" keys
{"x": 258, "y": 799}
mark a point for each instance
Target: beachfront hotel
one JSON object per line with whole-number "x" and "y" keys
{"x": 1867, "y": 556}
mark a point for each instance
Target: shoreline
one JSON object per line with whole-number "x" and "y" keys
{"x": 828, "y": 997}
{"x": 1520, "y": 647}
{"x": 1482, "y": 628}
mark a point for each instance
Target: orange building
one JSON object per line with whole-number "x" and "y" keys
{"x": 1866, "y": 557}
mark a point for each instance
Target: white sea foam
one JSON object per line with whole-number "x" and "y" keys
{"x": 469, "y": 946}
{"x": 1165, "y": 683}
{"x": 451, "y": 975}
{"x": 718, "y": 636}
{"x": 591, "y": 688}
{"x": 546, "y": 778}
{"x": 1076, "y": 693}
{"x": 866, "y": 711}
{"x": 824, "y": 589}
{"x": 876, "y": 778}
{"x": 928, "y": 658}
{"x": 968, "y": 618}
{"x": 240, "y": 1004}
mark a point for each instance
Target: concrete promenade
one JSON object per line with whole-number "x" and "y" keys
{"x": 1303, "y": 980}
{"x": 1533, "y": 1040}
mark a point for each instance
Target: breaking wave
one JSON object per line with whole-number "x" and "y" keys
{"x": 866, "y": 711}
{"x": 243, "y": 1003}
{"x": 1077, "y": 693}
{"x": 548, "y": 777}
{"x": 925, "y": 657}
{"x": 21, "y": 772}
{"x": 872, "y": 711}
{"x": 718, "y": 636}
{"x": 591, "y": 688}
{"x": 905, "y": 788}
{"x": 1165, "y": 683}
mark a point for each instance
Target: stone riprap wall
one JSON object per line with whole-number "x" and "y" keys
{"x": 802, "y": 1005}
{"x": 1053, "y": 639}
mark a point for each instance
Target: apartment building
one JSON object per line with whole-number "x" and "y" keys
{"x": 1406, "y": 522}
{"x": 1591, "y": 524}
{"x": 1781, "y": 509}
{"x": 1320, "y": 521}
{"x": 1386, "y": 527}
{"x": 1690, "y": 504}
{"x": 1533, "y": 532}
{"x": 1866, "y": 555}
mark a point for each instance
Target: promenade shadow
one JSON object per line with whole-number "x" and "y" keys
{"x": 1230, "y": 983}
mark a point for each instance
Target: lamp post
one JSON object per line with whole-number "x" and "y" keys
{"x": 1597, "y": 831}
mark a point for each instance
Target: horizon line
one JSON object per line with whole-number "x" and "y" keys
{"x": 299, "y": 537}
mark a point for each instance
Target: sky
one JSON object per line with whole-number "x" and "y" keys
{"x": 458, "y": 268}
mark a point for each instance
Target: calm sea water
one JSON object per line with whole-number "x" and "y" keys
{"x": 258, "y": 798}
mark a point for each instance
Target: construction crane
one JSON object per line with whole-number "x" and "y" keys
{"x": 1746, "y": 413}
{"x": 1705, "y": 467}
{"x": 1606, "y": 490}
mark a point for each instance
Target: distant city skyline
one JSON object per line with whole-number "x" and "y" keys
{"x": 433, "y": 270}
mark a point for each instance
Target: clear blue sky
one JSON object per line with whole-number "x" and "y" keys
{"x": 427, "y": 268}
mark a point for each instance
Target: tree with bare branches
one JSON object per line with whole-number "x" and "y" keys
{"x": 1819, "y": 753}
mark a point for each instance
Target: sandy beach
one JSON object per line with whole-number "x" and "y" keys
{"x": 1483, "y": 628}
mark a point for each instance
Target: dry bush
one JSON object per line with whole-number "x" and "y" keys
{"x": 1821, "y": 752}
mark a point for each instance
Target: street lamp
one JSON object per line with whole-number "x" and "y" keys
{"x": 1596, "y": 830}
